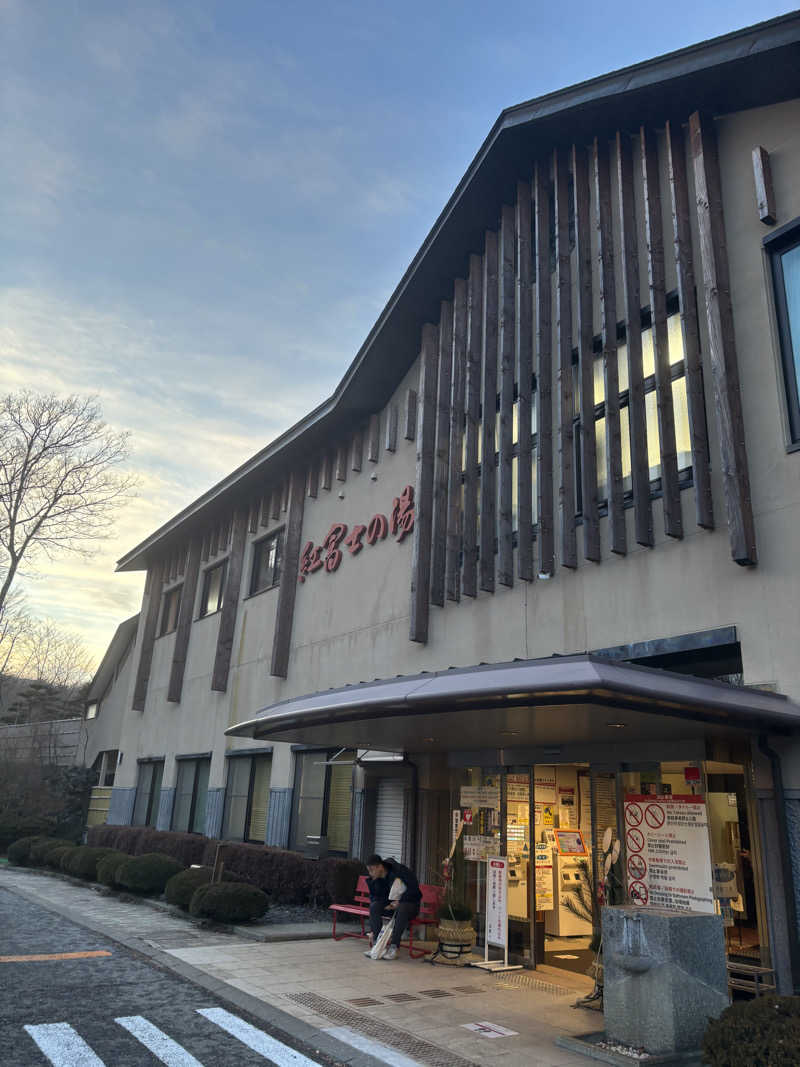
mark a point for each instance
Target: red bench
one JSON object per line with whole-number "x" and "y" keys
{"x": 428, "y": 913}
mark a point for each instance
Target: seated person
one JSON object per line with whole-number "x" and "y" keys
{"x": 382, "y": 873}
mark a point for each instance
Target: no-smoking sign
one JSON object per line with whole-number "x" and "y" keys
{"x": 633, "y": 815}
{"x": 635, "y": 840}
{"x": 654, "y": 816}
{"x": 637, "y": 867}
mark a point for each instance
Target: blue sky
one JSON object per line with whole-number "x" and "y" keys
{"x": 204, "y": 206}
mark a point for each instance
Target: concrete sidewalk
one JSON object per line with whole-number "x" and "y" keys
{"x": 417, "y": 1014}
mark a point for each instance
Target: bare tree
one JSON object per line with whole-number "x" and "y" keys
{"x": 59, "y": 479}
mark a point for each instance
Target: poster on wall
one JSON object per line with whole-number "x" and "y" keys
{"x": 517, "y": 787}
{"x": 668, "y": 855}
{"x": 478, "y": 846}
{"x": 544, "y": 784}
{"x": 480, "y": 796}
{"x": 543, "y": 866}
{"x": 497, "y": 900}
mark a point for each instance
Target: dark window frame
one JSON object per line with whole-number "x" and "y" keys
{"x": 196, "y": 760}
{"x": 277, "y": 536}
{"x": 252, "y": 758}
{"x": 322, "y": 754}
{"x": 783, "y": 240}
{"x": 151, "y": 764}
{"x": 170, "y": 597}
{"x": 205, "y": 608}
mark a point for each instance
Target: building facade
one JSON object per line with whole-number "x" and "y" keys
{"x": 537, "y": 555}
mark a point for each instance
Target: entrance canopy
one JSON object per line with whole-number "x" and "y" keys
{"x": 582, "y": 699}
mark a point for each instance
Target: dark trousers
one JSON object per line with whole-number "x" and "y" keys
{"x": 403, "y": 914}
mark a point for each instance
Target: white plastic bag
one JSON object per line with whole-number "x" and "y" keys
{"x": 385, "y": 936}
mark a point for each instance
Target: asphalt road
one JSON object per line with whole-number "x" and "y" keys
{"x": 115, "y": 1008}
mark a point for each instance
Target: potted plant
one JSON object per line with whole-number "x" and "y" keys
{"x": 456, "y": 932}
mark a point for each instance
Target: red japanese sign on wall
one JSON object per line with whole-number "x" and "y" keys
{"x": 328, "y": 555}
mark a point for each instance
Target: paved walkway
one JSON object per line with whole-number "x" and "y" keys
{"x": 437, "y": 1016}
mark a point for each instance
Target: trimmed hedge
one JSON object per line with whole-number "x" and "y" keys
{"x": 108, "y": 866}
{"x": 764, "y": 1032}
{"x": 147, "y": 874}
{"x": 19, "y": 851}
{"x": 82, "y": 863}
{"x": 180, "y": 888}
{"x": 37, "y": 855}
{"x": 14, "y": 827}
{"x": 286, "y": 877}
{"x": 228, "y": 902}
{"x": 55, "y": 857}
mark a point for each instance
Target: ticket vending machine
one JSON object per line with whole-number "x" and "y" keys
{"x": 569, "y": 855}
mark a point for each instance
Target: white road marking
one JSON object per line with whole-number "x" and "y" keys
{"x": 62, "y": 1045}
{"x": 255, "y": 1039}
{"x": 381, "y": 1052}
{"x": 162, "y": 1046}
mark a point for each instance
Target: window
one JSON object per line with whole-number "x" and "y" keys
{"x": 189, "y": 813}
{"x": 148, "y": 793}
{"x": 783, "y": 247}
{"x": 92, "y": 709}
{"x": 323, "y": 799}
{"x": 267, "y": 555}
{"x": 169, "y": 610}
{"x": 110, "y": 767}
{"x": 247, "y": 798}
{"x": 213, "y": 589}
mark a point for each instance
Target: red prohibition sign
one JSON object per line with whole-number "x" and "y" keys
{"x": 654, "y": 816}
{"x": 638, "y": 892}
{"x": 635, "y": 840}
{"x": 637, "y": 867}
{"x": 633, "y": 815}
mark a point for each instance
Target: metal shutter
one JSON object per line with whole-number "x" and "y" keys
{"x": 340, "y": 806}
{"x": 389, "y": 818}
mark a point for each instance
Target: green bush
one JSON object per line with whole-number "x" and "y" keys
{"x": 55, "y": 857}
{"x": 13, "y": 827}
{"x": 108, "y": 866}
{"x": 147, "y": 874}
{"x": 82, "y": 863}
{"x": 180, "y": 888}
{"x": 140, "y": 840}
{"x": 764, "y": 1032}
{"x": 228, "y": 902}
{"x": 37, "y": 855}
{"x": 19, "y": 851}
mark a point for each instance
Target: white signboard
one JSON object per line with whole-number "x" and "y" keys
{"x": 480, "y": 796}
{"x": 478, "y": 846}
{"x": 543, "y": 866}
{"x": 497, "y": 900}
{"x": 544, "y": 784}
{"x": 668, "y": 855}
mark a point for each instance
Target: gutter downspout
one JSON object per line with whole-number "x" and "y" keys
{"x": 786, "y": 863}
{"x": 414, "y": 815}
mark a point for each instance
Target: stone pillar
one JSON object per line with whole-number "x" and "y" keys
{"x": 357, "y": 850}
{"x": 120, "y": 808}
{"x": 279, "y": 817}
{"x": 793, "y": 828}
{"x": 165, "y": 805}
{"x": 215, "y": 803}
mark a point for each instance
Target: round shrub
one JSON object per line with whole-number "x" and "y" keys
{"x": 229, "y": 902}
{"x": 39, "y": 850}
{"x": 82, "y": 863}
{"x": 55, "y": 857}
{"x": 764, "y": 1032}
{"x": 19, "y": 851}
{"x": 13, "y": 827}
{"x": 148, "y": 873}
{"x": 180, "y": 888}
{"x": 108, "y": 866}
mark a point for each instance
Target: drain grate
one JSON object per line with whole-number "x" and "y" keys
{"x": 435, "y": 993}
{"x": 422, "y": 1051}
{"x": 526, "y": 981}
{"x": 364, "y": 1002}
{"x": 466, "y": 989}
{"x": 400, "y": 998}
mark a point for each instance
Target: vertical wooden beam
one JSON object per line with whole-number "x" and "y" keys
{"x": 276, "y": 502}
{"x": 722, "y": 340}
{"x": 410, "y": 431}
{"x": 442, "y": 456}
{"x": 184, "y": 628}
{"x": 313, "y": 480}
{"x": 687, "y": 295}
{"x": 265, "y": 509}
{"x": 474, "y": 345}
{"x": 637, "y": 415}
{"x": 373, "y": 448}
{"x": 285, "y": 495}
{"x": 391, "y": 428}
{"x": 213, "y": 546}
{"x": 252, "y": 523}
{"x": 357, "y": 451}
{"x": 544, "y": 373}
{"x": 507, "y": 367}
{"x": 765, "y": 194}
{"x": 566, "y": 435}
{"x": 206, "y": 547}
{"x": 523, "y": 315}
{"x": 230, "y": 603}
{"x": 608, "y": 315}
{"x": 654, "y": 228}
{"x": 284, "y": 617}
{"x": 341, "y": 462}
{"x": 488, "y": 531}
{"x": 155, "y": 582}
{"x": 585, "y": 336}
{"x": 325, "y": 471}
{"x": 455, "y": 483}
{"x": 423, "y": 521}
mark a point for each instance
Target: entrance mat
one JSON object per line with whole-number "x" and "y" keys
{"x": 587, "y": 1045}
{"x": 423, "y": 1051}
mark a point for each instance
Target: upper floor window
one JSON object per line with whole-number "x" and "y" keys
{"x": 783, "y": 247}
{"x": 213, "y": 589}
{"x": 267, "y": 554}
{"x": 92, "y": 708}
{"x": 169, "y": 610}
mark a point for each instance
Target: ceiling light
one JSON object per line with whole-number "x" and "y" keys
{"x": 508, "y": 733}
{"x": 617, "y": 725}
{"x": 428, "y": 739}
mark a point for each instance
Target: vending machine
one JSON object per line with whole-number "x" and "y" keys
{"x": 569, "y": 880}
